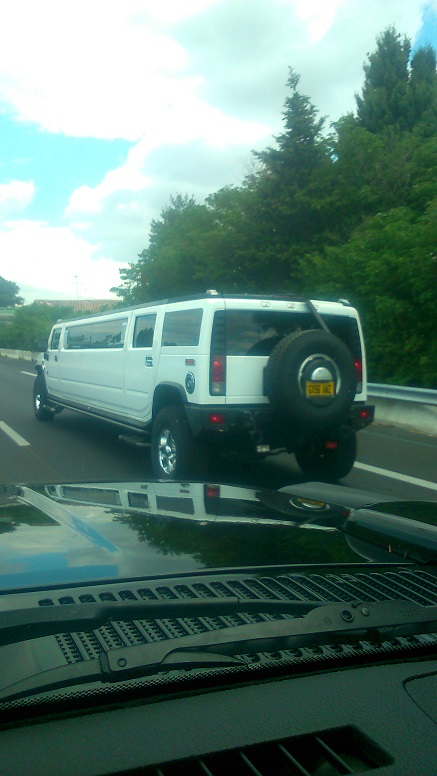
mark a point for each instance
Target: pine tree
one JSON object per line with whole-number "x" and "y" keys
{"x": 384, "y": 98}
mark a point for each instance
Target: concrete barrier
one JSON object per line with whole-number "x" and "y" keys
{"x": 415, "y": 417}
{"x": 25, "y": 355}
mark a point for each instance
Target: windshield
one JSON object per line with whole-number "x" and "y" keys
{"x": 218, "y": 385}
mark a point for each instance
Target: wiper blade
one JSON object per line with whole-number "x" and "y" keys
{"x": 24, "y": 624}
{"x": 330, "y": 624}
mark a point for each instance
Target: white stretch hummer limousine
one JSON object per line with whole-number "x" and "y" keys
{"x": 210, "y": 373}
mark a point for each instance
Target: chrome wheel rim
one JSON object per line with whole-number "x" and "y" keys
{"x": 38, "y": 402}
{"x": 167, "y": 451}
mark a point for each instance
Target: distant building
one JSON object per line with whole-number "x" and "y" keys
{"x": 79, "y": 305}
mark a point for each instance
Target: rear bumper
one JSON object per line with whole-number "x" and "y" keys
{"x": 255, "y": 425}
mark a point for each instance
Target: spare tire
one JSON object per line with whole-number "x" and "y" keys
{"x": 310, "y": 377}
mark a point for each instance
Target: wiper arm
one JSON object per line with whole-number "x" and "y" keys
{"x": 24, "y": 624}
{"x": 330, "y": 624}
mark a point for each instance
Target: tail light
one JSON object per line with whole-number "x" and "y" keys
{"x": 217, "y": 379}
{"x": 211, "y": 491}
{"x": 217, "y": 418}
{"x": 359, "y": 373}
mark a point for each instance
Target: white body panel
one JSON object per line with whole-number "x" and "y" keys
{"x": 121, "y": 379}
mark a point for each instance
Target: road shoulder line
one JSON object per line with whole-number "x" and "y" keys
{"x": 19, "y": 440}
{"x": 396, "y": 476}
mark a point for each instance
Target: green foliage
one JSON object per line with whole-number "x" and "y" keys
{"x": 177, "y": 254}
{"x": 30, "y": 323}
{"x": 395, "y": 93}
{"x": 389, "y": 270}
{"x": 423, "y": 83}
{"x": 385, "y": 97}
{"x": 294, "y": 186}
{"x": 351, "y": 213}
{"x": 9, "y": 293}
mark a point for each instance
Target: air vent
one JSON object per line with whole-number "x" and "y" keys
{"x": 331, "y": 753}
{"x": 365, "y": 585}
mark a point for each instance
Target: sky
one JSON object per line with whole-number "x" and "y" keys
{"x": 110, "y": 107}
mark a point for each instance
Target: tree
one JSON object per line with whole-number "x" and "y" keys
{"x": 423, "y": 82}
{"x": 386, "y": 156}
{"x": 396, "y": 93}
{"x": 178, "y": 256}
{"x": 284, "y": 206}
{"x": 295, "y": 177}
{"x": 193, "y": 247}
{"x": 388, "y": 269}
{"x": 384, "y": 99}
{"x": 9, "y": 293}
{"x": 373, "y": 171}
{"x": 300, "y": 146}
{"x": 30, "y": 323}
{"x": 350, "y": 213}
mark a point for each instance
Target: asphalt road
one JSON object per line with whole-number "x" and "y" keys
{"x": 76, "y": 448}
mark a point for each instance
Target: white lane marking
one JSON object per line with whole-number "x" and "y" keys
{"x": 397, "y": 476}
{"x": 19, "y": 440}
{"x": 31, "y": 374}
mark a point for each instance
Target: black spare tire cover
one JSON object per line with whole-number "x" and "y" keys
{"x": 311, "y": 378}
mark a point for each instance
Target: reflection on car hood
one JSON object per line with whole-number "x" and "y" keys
{"x": 56, "y": 534}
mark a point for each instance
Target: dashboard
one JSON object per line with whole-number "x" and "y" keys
{"x": 380, "y": 719}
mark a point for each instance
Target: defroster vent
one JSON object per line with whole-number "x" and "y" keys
{"x": 327, "y": 753}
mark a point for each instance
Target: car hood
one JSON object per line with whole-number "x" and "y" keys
{"x": 70, "y": 533}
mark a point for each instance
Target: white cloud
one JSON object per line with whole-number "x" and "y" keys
{"x": 195, "y": 85}
{"x": 49, "y": 262}
{"x": 118, "y": 212}
{"x": 201, "y": 141}
{"x": 15, "y": 196}
{"x": 317, "y": 15}
{"x": 141, "y": 68}
{"x": 93, "y": 69}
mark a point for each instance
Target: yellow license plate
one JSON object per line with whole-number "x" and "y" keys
{"x": 314, "y": 388}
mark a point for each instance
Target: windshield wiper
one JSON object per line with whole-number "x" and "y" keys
{"x": 330, "y": 624}
{"x": 23, "y": 624}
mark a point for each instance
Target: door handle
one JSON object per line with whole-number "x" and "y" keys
{"x": 149, "y": 361}
{"x": 56, "y": 358}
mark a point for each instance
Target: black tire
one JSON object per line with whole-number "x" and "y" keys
{"x": 306, "y": 357}
{"x": 317, "y": 461}
{"x": 176, "y": 455}
{"x": 40, "y": 400}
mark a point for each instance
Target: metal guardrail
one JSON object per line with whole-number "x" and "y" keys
{"x": 402, "y": 393}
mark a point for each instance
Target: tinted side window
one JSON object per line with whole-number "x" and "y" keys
{"x": 56, "y": 336}
{"x": 108, "y": 334}
{"x": 175, "y": 504}
{"x": 79, "y": 337}
{"x": 103, "y": 334}
{"x": 92, "y": 495}
{"x": 144, "y": 329}
{"x": 182, "y": 327}
{"x": 138, "y": 500}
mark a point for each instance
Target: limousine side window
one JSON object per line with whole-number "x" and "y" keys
{"x": 103, "y": 334}
{"x": 182, "y": 327}
{"x": 54, "y": 342}
{"x": 144, "y": 330}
